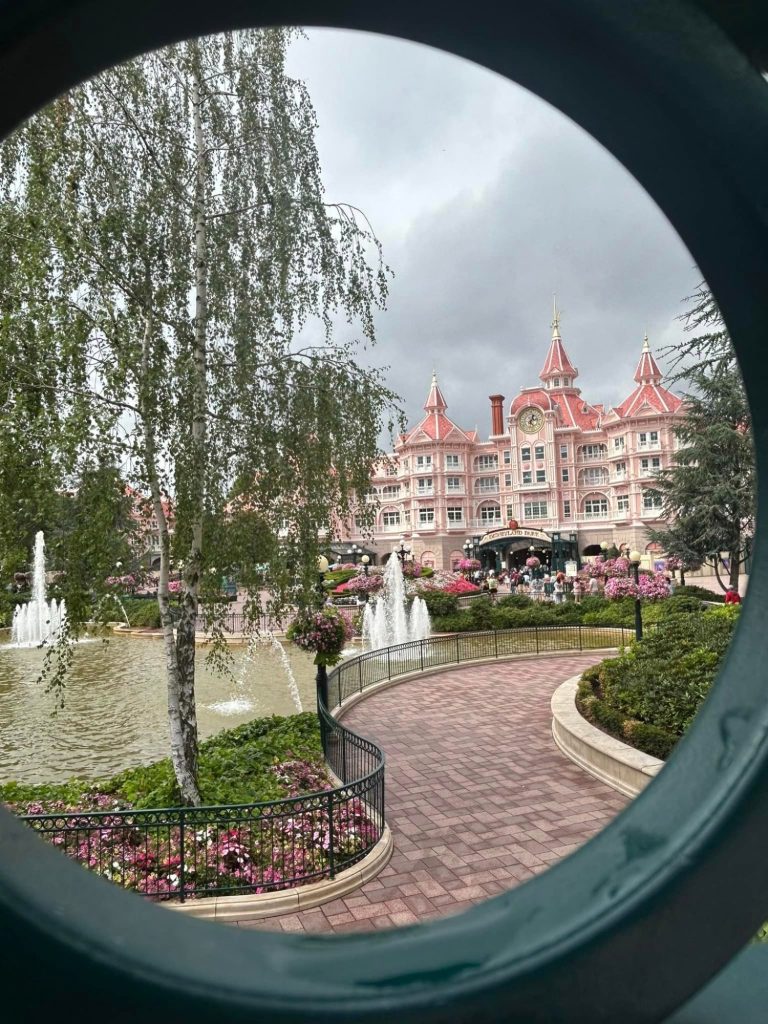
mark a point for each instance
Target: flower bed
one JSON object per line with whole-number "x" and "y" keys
{"x": 106, "y": 826}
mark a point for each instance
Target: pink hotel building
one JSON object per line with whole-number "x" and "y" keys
{"x": 557, "y": 474}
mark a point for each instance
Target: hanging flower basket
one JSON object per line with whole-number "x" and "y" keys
{"x": 533, "y": 562}
{"x": 323, "y": 633}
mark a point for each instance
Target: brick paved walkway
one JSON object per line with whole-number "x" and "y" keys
{"x": 478, "y": 796}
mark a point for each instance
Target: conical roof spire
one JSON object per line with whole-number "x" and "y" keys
{"x": 555, "y": 319}
{"x": 435, "y": 401}
{"x": 647, "y": 371}
{"x": 557, "y": 363}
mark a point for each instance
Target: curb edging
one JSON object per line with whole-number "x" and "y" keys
{"x": 620, "y": 766}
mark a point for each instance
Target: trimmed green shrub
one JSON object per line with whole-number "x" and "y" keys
{"x": 481, "y": 614}
{"x": 650, "y": 694}
{"x": 515, "y": 601}
{"x": 691, "y": 590}
{"x": 608, "y": 717}
{"x": 440, "y": 603}
{"x": 649, "y": 738}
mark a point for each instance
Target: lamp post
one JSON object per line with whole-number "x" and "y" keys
{"x": 402, "y": 551}
{"x": 364, "y": 596}
{"x": 604, "y": 548}
{"x": 634, "y": 561}
{"x": 321, "y": 679}
{"x": 322, "y": 569}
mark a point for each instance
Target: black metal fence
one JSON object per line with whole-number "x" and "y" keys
{"x": 236, "y": 623}
{"x": 181, "y": 852}
{"x": 356, "y": 674}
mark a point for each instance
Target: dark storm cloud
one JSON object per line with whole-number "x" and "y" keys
{"x": 487, "y": 201}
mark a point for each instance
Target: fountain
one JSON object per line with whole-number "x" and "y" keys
{"x": 39, "y": 621}
{"x": 238, "y": 702}
{"x": 386, "y": 621}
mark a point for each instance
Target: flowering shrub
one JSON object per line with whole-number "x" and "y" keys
{"x": 324, "y": 633}
{"x": 673, "y": 562}
{"x": 360, "y": 585}
{"x": 461, "y": 586}
{"x": 654, "y": 586}
{"x": 592, "y": 569}
{"x": 621, "y": 586}
{"x": 412, "y": 570}
{"x": 127, "y": 582}
{"x": 174, "y": 586}
{"x": 468, "y": 564}
{"x": 279, "y": 847}
{"x": 533, "y": 562}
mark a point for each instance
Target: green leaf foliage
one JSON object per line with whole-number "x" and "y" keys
{"x": 235, "y": 767}
{"x": 661, "y": 681}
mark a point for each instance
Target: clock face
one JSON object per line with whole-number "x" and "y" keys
{"x": 531, "y": 420}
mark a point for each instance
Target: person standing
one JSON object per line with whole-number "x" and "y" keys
{"x": 732, "y": 596}
{"x": 493, "y": 585}
{"x": 559, "y": 591}
{"x": 578, "y": 590}
{"x": 594, "y": 587}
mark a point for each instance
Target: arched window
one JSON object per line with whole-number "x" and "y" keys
{"x": 489, "y": 513}
{"x": 427, "y": 559}
{"x": 455, "y": 558}
{"x": 390, "y": 518}
{"x": 595, "y": 506}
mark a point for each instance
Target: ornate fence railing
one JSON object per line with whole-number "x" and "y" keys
{"x": 357, "y": 674}
{"x": 182, "y": 852}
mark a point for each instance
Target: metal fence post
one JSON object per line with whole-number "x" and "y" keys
{"x": 496, "y": 643}
{"x": 536, "y": 631}
{"x": 421, "y": 652}
{"x": 182, "y": 861}
{"x": 360, "y": 672}
{"x": 389, "y": 663}
{"x": 457, "y": 649}
{"x": 331, "y": 837}
{"x": 580, "y": 643}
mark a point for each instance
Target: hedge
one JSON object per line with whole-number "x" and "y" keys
{"x": 650, "y": 694}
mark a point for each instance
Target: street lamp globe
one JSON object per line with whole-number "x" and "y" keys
{"x": 604, "y": 546}
{"x": 322, "y": 564}
{"x": 635, "y": 557}
{"x": 365, "y": 559}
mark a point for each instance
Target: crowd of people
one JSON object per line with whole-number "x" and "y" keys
{"x": 556, "y": 587}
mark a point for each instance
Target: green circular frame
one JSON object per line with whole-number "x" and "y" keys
{"x": 635, "y": 922}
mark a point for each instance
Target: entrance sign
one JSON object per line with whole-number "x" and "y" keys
{"x": 571, "y": 568}
{"x": 506, "y": 534}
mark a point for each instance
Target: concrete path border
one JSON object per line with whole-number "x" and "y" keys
{"x": 620, "y": 766}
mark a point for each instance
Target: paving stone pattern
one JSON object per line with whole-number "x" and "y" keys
{"x": 479, "y": 798}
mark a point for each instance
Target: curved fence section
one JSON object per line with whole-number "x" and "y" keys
{"x": 357, "y": 674}
{"x": 179, "y": 853}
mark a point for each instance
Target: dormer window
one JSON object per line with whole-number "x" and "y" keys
{"x": 557, "y": 382}
{"x": 566, "y": 382}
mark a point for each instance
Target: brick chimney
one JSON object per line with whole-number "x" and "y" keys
{"x": 497, "y": 414}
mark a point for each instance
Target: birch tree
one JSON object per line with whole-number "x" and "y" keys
{"x": 181, "y": 299}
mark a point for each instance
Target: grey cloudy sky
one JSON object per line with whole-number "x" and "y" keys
{"x": 487, "y": 200}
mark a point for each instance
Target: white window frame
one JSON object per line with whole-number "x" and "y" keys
{"x": 535, "y": 510}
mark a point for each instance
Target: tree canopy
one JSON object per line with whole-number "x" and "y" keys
{"x": 709, "y": 494}
{"x": 183, "y": 303}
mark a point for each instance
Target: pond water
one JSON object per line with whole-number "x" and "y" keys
{"x": 115, "y": 712}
